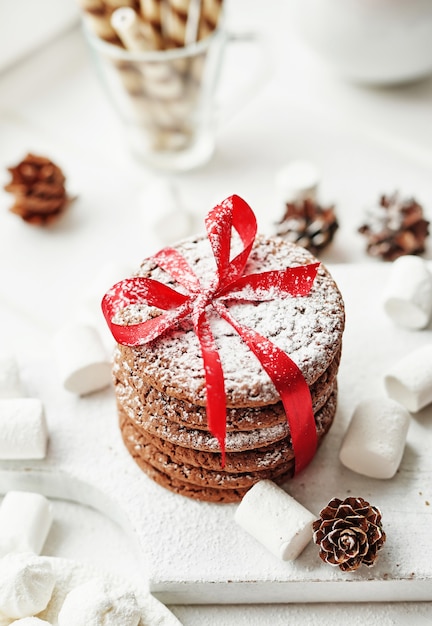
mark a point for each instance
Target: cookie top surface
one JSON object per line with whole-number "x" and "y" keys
{"x": 308, "y": 328}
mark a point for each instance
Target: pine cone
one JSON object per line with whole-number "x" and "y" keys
{"x": 308, "y": 224}
{"x": 349, "y": 533}
{"x": 38, "y": 186}
{"x": 395, "y": 227}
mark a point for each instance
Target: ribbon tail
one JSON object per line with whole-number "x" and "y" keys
{"x": 214, "y": 380}
{"x": 291, "y": 386}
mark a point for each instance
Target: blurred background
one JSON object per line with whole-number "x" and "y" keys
{"x": 343, "y": 85}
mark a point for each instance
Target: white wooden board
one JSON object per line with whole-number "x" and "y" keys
{"x": 195, "y": 552}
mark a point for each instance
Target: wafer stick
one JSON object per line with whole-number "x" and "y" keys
{"x": 117, "y": 4}
{"x": 209, "y": 18}
{"x": 193, "y": 20}
{"x": 175, "y": 22}
{"x": 151, "y": 13}
{"x": 100, "y": 25}
{"x": 91, "y": 5}
{"x": 130, "y": 76}
{"x": 126, "y": 24}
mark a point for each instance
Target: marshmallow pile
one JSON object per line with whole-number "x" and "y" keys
{"x": 23, "y": 428}
{"x": 375, "y": 439}
{"x": 96, "y": 603}
{"x": 374, "y": 442}
{"x": 27, "y": 580}
{"x": 26, "y": 584}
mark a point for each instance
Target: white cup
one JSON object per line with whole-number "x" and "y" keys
{"x": 368, "y": 41}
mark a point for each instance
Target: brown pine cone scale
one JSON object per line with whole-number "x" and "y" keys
{"x": 308, "y": 224}
{"x": 395, "y": 227}
{"x": 39, "y": 189}
{"x": 349, "y": 533}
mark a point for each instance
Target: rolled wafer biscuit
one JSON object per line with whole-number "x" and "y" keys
{"x": 91, "y": 5}
{"x": 151, "y": 13}
{"x": 171, "y": 140}
{"x": 209, "y": 19}
{"x": 175, "y": 19}
{"x": 100, "y": 25}
{"x": 131, "y": 78}
{"x": 165, "y": 88}
{"x": 193, "y": 21}
{"x": 126, "y": 24}
{"x": 117, "y": 4}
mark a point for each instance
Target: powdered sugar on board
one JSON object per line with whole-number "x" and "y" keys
{"x": 194, "y": 552}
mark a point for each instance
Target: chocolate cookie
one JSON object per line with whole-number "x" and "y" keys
{"x": 135, "y": 392}
{"x": 201, "y": 484}
{"x": 308, "y": 328}
{"x": 264, "y": 458}
{"x": 160, "y": 386}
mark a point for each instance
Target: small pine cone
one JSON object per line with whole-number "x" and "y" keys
{"x": 308, "y": 224}
{"x": 395, "y": 227}
{"x": 349, "y": 533}
{"x": 38, "y": 186}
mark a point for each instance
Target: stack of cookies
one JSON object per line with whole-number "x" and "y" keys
{"x": 160, "y": 386}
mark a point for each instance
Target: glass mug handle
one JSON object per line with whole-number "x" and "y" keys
{"x": 228, "y": 105}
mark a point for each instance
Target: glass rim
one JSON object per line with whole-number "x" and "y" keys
{"x": 170, "y": 54}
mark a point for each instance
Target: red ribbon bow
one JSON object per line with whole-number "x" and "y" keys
{"x": 229, "y": 283}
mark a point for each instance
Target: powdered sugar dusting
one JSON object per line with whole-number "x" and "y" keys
{"x": 308, "y": 328}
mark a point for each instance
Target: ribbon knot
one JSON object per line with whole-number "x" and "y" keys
{"x": 230, "y": 283}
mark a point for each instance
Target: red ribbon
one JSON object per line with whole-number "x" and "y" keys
{"x": 228, "y": 284}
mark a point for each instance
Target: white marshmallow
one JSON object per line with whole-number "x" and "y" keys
{"x": 10, "y": 383}
{"x": 275, "y": 519}
{"x": 96, "y": 604}
{"x": 26, "y": 584}
{"x": 409, "y": 381}
{"x": 25, "y": 521}
{"x": 297, "y": 181}
{"x": 408, "y": 294}
{"x": 83, "y": 364}
{"x": 161, "y": 209}
{"x": 30, "y": 621}
{"x": 23, "y": 429}
{"x": 375, "y": 439}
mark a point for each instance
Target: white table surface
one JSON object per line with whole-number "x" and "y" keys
{"x": 51, "y": 103}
